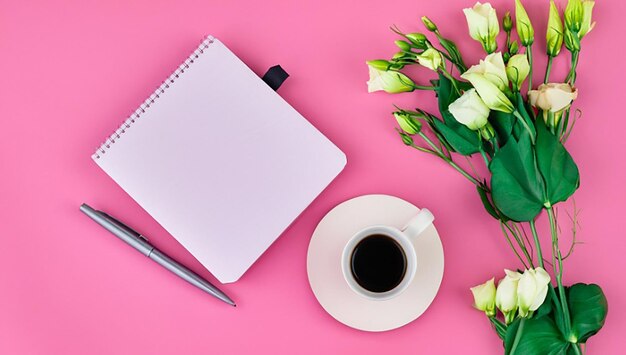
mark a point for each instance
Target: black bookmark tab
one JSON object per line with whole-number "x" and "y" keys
{"x": 275, "y": 76}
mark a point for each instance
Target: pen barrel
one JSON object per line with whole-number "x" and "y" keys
{"x": 136, "y": 242}
{"x": 188, "y": 275}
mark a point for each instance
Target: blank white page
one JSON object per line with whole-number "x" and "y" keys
{"x": 220, "y": 160}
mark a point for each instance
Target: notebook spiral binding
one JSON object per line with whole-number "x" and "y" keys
{"x": 152, "y": 98}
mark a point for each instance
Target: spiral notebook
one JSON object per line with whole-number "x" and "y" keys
{"x": 220, "y": 160}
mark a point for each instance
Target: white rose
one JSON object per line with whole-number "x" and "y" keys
{"x": 532, "y": 289}
{"x": 483, "y": 25}
{"x": 485, "y": 297}
{"x": 389, "y": 81}
{"x": 492, "y": 68}
{"x": 506, "y": 295}
{"x": 553, "y": 97}
{"x": 489, "y": 92}
{"x": 470, "y": 110}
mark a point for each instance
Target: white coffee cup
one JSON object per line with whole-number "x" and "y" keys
{"x": 404, "y": 238}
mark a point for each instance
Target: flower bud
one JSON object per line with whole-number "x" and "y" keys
{"x": 507, "y": 23}
{"x": 513, "y": 47}
{"x": 487, "y": 132}
{"x": 429, "y": 24}
{"x": 431, "y": 59}
{"x": 379, "y": 64}
{"x": 403, "y": 45}
{"x": 485, "y": 297}
{"x": 506, "y": 295}
{"x": 586, "y": 25}
{"x": 489, "y": 92}
{"x": 574, "y": 13}
{"x": 517, "y": 69}
{"x": 523, "y": 26}
{"x": 554, "y": 34}
{"x": 470, "y": 110}
{"x": 572, "y": 42}
{"x": 418, "y": 39}
{"x": 398, "y": 55}
{"x": 406, "y": 139}
{"x": 409, "y": 124}
{"x": 532, "y": 289}
{"x": 482, "y": 22}
{"x": 389, "y": 81}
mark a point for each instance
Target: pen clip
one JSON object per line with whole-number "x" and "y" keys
{"x": 123, "y": 226}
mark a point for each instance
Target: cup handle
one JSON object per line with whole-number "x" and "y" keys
{"x": 418, "y": 224}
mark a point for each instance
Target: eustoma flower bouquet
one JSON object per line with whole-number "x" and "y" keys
{"x": 519, "y": 132}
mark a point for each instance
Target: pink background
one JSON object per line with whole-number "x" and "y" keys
{"x": 72, "y": 71}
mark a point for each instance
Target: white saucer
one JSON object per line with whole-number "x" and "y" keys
{"x": 332, "y": 290}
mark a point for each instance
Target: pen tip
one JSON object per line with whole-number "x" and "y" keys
{"x": 234, "y": 305}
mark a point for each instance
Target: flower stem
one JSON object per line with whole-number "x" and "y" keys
{"x": 508, "y": 239}
{"x": 518, "y": 336}
{"x": 555, "y": 299}
{"x": 548, "y": 69}
{"x": 571, "y": 76}
{"x": 463, "y": 172}
{"x": 467, "y": 175}
{"x": 529, "y": 55}
{"x": 424, "y": 87}
{"x": 559, "y": 276}
{"x": 452, "y": 80}
{"x": 482, "y": 152}
{"x": 533, "y": 228}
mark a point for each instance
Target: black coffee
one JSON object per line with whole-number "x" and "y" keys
{"x": 378, "y": 263}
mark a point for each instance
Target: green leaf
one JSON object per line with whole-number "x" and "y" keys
{"x": 461, "y": 139}
{"x": 454, "y": 53}
{"x": 588, "y": 308}
{"x": 459, "y": 143}
{"x": 534, "y": 336}
{"x": 556, "y": 165}
{"x": 499, "y": 327}
{"x": 502, "y": 123}
{"x": 491, "y": 209}
{"x": 516, "y": 185}
{"x": 519, "y": 129}
{"x": 445, "y": 93}
{"x": 511, "y": 332}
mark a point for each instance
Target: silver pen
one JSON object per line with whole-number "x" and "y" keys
{"x": 139, "y": 242}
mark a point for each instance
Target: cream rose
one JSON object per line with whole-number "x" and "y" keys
{"x": 553, "y": 97}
